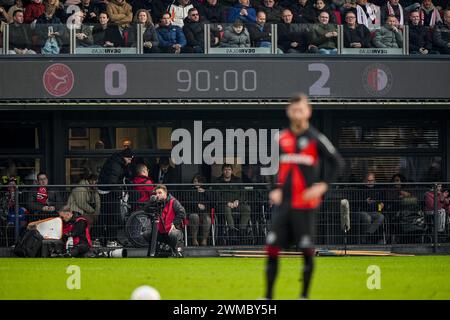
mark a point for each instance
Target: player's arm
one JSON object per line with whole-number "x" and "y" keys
{"x": 276, "y": 195}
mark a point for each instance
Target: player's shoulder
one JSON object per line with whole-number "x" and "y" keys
{"x": 321, "y": 139}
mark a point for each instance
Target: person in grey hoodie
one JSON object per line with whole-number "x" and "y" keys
{"x": 389, "y": 36}
{"x": 236, "y": 36}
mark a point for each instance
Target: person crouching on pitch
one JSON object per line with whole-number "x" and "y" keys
{"x": 171, "y": 221}
{"x": 76, "y": 232}
{"x": 301, "y": 183}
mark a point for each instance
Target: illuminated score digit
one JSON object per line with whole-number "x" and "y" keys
{"x": 206, "y": 80}
{"x": 318, "y": 88}
{"x": 115, "y": 70}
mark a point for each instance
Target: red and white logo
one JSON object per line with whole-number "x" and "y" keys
{"x": 58, "y": 79}
{"x": 377, "y": 80}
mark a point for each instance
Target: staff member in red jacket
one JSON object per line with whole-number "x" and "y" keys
{"x": 75, "y": 226}
{"x": 144, "y": 191}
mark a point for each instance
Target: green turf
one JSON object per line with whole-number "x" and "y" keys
{"x": 422, "y": 277}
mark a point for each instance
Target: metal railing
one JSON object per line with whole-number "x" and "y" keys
{"x": 386, "y": 214}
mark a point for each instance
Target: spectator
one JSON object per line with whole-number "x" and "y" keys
{"x": 443, "y": 200}
{"x": 323, "y": 36}
{"x": 370, "y": 206}
{"x": 242, "y": 11}
{"x": 392, "y": 8}
{"x": 18, "y": 5}
{"x": 145, "y": 192}
{"x": 90, "y": 10}
{"x": 179, "y": 11}
{"x": 170, "y": 223}
{"x": 171, "y": 37}
{"x": 9, "y": 204}
{"x": 320, "y": 7}
{"x": 199, "y": 212}
{"x": 292, "y": 38}
{"x": 233, "y": 201}
{"x": 389, "y": 36}
{"x": 75, "y": 228}
{"x": 33, "y": 10}
{"x": 213, "y": 11}
{"x": 150, "y": 5}
{"x": 19, "y": 35}
{"x": 50, "y": 31}
{"x": 355, "y": 35}
{"x": 441, "y": 34}
{"x": 429, "y": 15}
{"x": 194, "y": 29}
{"x": 113, "y": 173}
{"x": 85, "y": 199}
{"x": 58, "y": 7}
{"x": 260, "y": 32}
{"x": 149, "y": 35}
{"x": 42, "y": 202}
{"x": 163, "y": 173}
{"x": 236, "y": 36}
{"x": 120, "y": 13}
{"x": 420, "y": 41}
{"x": 272, "y": 11}
{"x": 99, "y": 34}
{"x": 367, "y": 13}
{"x": 303, "y": 12}
{"x": 4, "y": 16}
{"x": 83, "y": 34}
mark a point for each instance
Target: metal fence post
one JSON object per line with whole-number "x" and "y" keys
{"x": 16, "y": 212}
{"x": 435, "y": 215}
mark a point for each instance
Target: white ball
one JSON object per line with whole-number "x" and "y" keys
{"x": 145, "y": 293}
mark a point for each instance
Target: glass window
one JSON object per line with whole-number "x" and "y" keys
{"x": 91, "y": 138}
{"x": 24, "y": 169}
{"x": 77, "y": 168}
{"x": 19, "y": 137}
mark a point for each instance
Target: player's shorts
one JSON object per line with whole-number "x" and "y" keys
{"x": 292, "y": 227}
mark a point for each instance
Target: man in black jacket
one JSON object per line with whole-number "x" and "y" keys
{"x": 260, "y": 32}
{"x": 420, "y": 41}
{"x": 292, "y": 37}
{"x": 194, "y": 29}
{"x": 19, "y": 35}
{"x": 213, "y": 11}
{"x": 355, "y": 35}
{"x": 113, "y": 173}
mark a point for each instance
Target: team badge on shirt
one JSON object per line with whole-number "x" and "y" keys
{"x": 302, "y": 142}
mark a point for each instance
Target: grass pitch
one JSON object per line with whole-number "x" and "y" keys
{"x": 421, "y": 277}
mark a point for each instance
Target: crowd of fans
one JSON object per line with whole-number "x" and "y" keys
{"x": 177, "y": 26}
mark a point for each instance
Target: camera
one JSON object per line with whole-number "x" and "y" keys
{"x": 154, "y": 206}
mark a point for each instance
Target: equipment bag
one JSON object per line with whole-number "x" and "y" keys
{"x": 29, "y": 244}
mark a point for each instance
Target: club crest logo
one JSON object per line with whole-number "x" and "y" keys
{"x": 377, "y": 79}
{"x": 58, "y": 79}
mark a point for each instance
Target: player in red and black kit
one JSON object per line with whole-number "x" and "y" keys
{"x": 303, "y": 152}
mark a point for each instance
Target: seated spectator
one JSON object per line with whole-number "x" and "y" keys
{"x": 260, "y": 32}
{"x": 152, "y": 6}
{"x": 18, "y": 5}
{"x": 120, "y": 13}
{"x": 194, "y": 29}
{"x": 42, "y": 202}
{"x": 83, "y": 34}
{"x": 392, "y": 8}
{"x": 171, "y": 37}
{"x": 163, "y": 172}
{"x": 179, "y": 11}
{"x": 389, "y": 36}
{"x": 233, "y": 200}
{"x": 50, "y": 32}
{"x": 9, "y": 204}
{"x": 367, "y": 13}
{"x": 75, "y": 229}
{"x": 85, "y": 199}
{"x": 149, "y": 35}
{"x": 355, "y": 35}
{"x": 242, "y": 11}
{"x": 91, "y": 11}
{"x": 303, "y": 12}
{"x": 213, "y": 11}
{"x": 144, "y": 192}
{"x": 199, "y": 212}
{"x": 171, "y": 223}
{"x": 429, "y": 15}
{"x": 323, "y": 36}
{"x": 272, "y": 11}
{"x": 343, "y": 6}
{"x": 58, "y": 7}
{"x": 100, "y": 31}
{"x": 33, "y": 10}
{"x": 441, "y": 34}
{"x": 20, "y": 35}
{"x": 292, "y": 38}
{"x": 320, "y": 7}
{"x": 420, "y": 41}
{"x": 236, "y": 36}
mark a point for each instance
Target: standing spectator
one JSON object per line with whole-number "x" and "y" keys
{"x": 163, "y": 173}
{"x": 42, "y": 202}
{"x": 194, "y": 29}
{"x": 232, "y": 199}
{"x": 85, "y": 199}
{"x": 179, "y": 11}
{"x": 242, "y": 11}
{"x": 9, "y": 204}
{"x": 50, "y": 31}
{"x": 392, "y": 8}
{"x": 367, "y": 14}
{"x": 420, "y": 41}
{"x": 292, "y": 38}
{"x": 389, "y": 36}
{"x": 272, "y": 11}
{"x": 120, "y": 13}
{"x": 213, "y": 11}
{"x": 319, "y": 7}
{"x": 146, "y": 191}
{"x": 443, "y": 200}
{"x": 90, "y": 10}
{"x": 236, "y": 36}
{"x": 113, "y": 173}
{"x": 260, "y": 32}
{"x": 19, "y": 35}
{"x": 171, "y": 37}
{"x": 170, "y": 223}
{"x": 323, "y": 36}
{"x": 303, "y": 12}
{"x": 441, "y": 34}
{"x": 33, "y": 10}
{"x": 355, "y": 35}
{"x": 199, "y": 212}
{"x": 429, "y": 15}
{"x": 149, "y": 35}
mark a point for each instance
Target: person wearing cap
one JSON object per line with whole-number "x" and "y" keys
{"x": 111, "y": 175}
